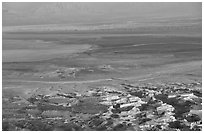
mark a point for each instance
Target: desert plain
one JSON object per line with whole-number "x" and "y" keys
{"x": 140, "y": 78}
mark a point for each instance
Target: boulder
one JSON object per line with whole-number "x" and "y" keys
{"x": 115, "y": 115}
{"x": 128, "y": 108}
{"x": 134, "y": 99}
{"x": 192, "y": 118}
{"x": 116, "y": 110}
{"x": 112, "y": 98}
{"x": 165, "y": 108}
{"x": 116, "y": 106}
{"x": 121, "y": 100}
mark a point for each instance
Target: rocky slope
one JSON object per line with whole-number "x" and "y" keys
{"x": 164, "y": 107}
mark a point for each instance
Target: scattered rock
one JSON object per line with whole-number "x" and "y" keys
{"x": 90, "y": 106}
{"x": 134, "y": 99}
{"x": 197, "y": 93}
{"x": 139, "y": 94}
{"x": 175, "y": 124}
{"x": 148, "y": 108}
{"x": 122, "y": 100}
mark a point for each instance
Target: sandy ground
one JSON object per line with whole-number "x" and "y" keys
{"x": 28, "y": 51}
{"x": 179, "y": 72}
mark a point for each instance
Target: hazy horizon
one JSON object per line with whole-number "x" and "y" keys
{"x": 35, "y": 13}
